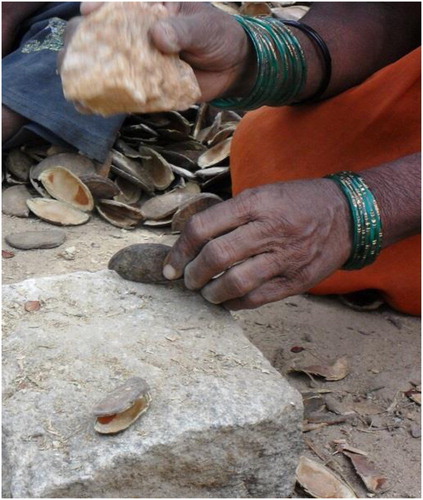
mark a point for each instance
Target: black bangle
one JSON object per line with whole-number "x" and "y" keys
{"x": 323, "y": 48}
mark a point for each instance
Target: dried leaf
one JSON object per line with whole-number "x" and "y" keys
{"x": 343, "y": 446}
{"x": 367, "y": 408}
{"x": 337, "y": 371}
{"x": 320, "y": 482}
{"x": 414, "y": 395}
{"x": 371, "y": 477}
{"x": 32, "y": 305}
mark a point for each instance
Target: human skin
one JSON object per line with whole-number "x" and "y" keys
{"x": 13, "y": 14}
{"x": 281, "y": 239}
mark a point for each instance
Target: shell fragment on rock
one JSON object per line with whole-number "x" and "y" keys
{"x": 122, "y": 407}
{"x": 63, "y": 185}
{"x": 137, "y": 78}
{"x": 142, "y": 262}
{"x": 119, "y": 214}
{"x": 57, "y": 212}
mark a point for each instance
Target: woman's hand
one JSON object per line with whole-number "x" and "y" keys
{"x": 211, "y": 41}
{"x": 265, "y": 244}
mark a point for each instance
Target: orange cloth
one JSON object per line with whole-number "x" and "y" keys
{"x": 370, "y": 124}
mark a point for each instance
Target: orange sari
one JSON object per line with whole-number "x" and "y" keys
{"x": 370, "y": 124}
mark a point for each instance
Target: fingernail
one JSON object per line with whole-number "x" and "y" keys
{"x": 209, "y": 296}
{"x": 169, "y": 272}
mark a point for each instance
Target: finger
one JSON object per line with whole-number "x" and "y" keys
{"x": 242, "y": 279}
{"x": 202, "y": 228}
{"x": 180, "y": 33}
{"x": 276, "y": 289}
{"x": 88, "y": 7}
{"x": 228, "y": 250}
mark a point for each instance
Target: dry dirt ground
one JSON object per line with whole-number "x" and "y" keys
{"x": 383, "y": 349}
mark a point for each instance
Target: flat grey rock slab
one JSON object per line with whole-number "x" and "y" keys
{"x": 222, "y": 422}
{"x": 29, "y": 240}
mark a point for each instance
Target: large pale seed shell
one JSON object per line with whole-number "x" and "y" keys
{"x": 133, "y": 171}
{"x": 119, "y": 214}
{"x": 111, "y": 66}
{"x": 141, "y": 262}
{"x": 192, "y": 206}
{"x": 57, "y": 212}
{"x": 165, "y": 205}
{"x": 99, "y": 186}
{"x": 216, "y": 154}
{"x": 159, "y": 168}
{"x": 119, "y": 409}
{"x": 63, "y": 185}
{"x": 75, "y": 163}
{"x": 222, "y": 134}
{"x": 129, "y": 193}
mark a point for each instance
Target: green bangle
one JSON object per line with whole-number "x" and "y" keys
{"x": 367, "y": 224}
{"x": 281, "y": 65}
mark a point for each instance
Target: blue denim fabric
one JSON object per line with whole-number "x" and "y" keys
{"x": 32, "y": 88}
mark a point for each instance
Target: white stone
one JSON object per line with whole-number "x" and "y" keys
{"x": 222, "y": 421}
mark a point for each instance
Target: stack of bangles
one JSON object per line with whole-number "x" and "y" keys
{"x": 281, "y": 64}
{"x": 281, "y": 77}
{"x": 367, "y": 224}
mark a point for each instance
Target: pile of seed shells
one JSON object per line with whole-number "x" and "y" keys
{"x": 163, "y": 168}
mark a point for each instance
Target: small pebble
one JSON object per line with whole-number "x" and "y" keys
{"x": 30, "y": 240}
{"x": 416, "y": 431}
{"x": 68, "y": 253}
{"x": 14, "y": 201}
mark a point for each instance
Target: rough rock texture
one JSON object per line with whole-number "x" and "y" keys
{"x": 111, "y": 66}
{"x": 222, "y": 421}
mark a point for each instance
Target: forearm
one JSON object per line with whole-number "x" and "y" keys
{"x": 362, "y": 38}
{"x": 397, "y": 189}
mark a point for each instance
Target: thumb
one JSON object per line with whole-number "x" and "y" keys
{"x": 174, "y": 35}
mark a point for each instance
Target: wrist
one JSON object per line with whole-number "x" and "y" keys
{"x": 246, "y": 73}
{"x": 342, "y": 222}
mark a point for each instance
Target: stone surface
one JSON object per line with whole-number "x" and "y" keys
{"x": 14, "y": 201}
{"x": 222, "y": 421}
{"x": 111, "y": 66}
{"x": 29, "y": 240}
